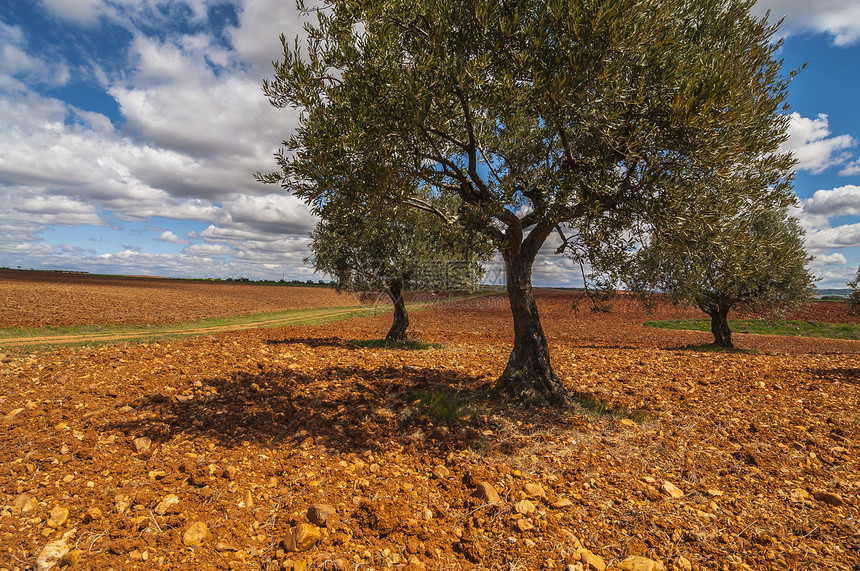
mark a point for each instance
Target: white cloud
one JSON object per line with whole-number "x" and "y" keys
{"x": 812, "y": 145}
{"x": 844, "y": 200}
{"x": 839, "y": 18}
{"x": 851, "y": 168}
{"x": 836, "y": 259}
{"x": 168, "y": 236}
{"x": 845, "y": 236}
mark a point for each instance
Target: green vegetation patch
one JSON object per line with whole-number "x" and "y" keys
{"x": 92, "y": 334}
{"x": 407, "y": 345}
{"x": 763, "y": 327}
{"x": 599, "y": 407}
{"x": 444, "y": 406}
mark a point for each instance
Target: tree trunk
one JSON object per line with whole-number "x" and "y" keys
{"x": 401, "y": 320}
{"x": 720, "y": 327}
{"x": 528, "y": 372}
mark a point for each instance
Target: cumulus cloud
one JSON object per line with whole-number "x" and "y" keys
{"x": 836, "y": 259}
{"x": 168, "y": 236}
{"x": 844, "y": 200}
{"x": 839, "y": 18}
{"x": 812, "y": 145}
{"x": 851, "y": 168}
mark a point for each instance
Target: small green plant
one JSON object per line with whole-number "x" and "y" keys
{"x": 599, "y": 407}
{"x": 406, "y": 344}
{"x": 445, "y": 406}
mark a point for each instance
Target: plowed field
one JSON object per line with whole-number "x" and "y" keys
{"x": 207, "y": 453}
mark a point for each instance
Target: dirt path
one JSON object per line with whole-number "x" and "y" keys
{"x": 192, "y": 329}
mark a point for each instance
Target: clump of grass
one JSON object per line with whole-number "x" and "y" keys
{"x": 599, "y": 407}
{"x": 445, "y": 406}
{"x": 408, "y": 344}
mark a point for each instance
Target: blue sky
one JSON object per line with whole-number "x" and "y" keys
{"x": 130, "y": 129}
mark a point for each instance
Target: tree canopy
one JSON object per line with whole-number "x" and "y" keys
{"x": 754, "y": 259}
{"x": 534, "y": 118}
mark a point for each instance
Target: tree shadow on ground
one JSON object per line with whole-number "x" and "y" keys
{"x": 315, "y": 342}
{"x": 847, "y": 375}
{"x": 347, "y": 409}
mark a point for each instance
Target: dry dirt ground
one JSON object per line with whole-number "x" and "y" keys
{"x": 292, "y": 448}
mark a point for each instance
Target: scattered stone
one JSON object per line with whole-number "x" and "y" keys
{"x": 23, "y": 503}
{"x": 683, "y": 563}
{"x": 53, "y": 552}
{"x": 441, "y": 472}
{"x": 247, "y": 500}
{"x": 534, "y": 490}
{"x": 301, "y": 538}
{"x": 93, "y": 514}
{"x": 222, "y": 546}
{"x": 575, "y": 567}
{"x": 8, "y": 419}
{"x": 524, "y": 507}
{"x": 800, "y": 495}
{"x": 142, "y": 445}
{"x": 562, "y": 503}
{"x": 627, "y": 422}
{"x": 319, "y": 514}
{"x": 524, "y": 524}
{"x": 230, "y": 472}
{"x": 672, "y": 490}
{"x": 72, "y": 558}
{"x": 58, "y": 517}
{"x": 639, "y": 563}
{"x": 196, "y": 534}
{"x": 164, "y": 505}
{"x": 488, "y": 493}
{"x": 829, "y": 498}
{"x": 715, "y": 493}
{"x": 592, "y": 561}
{"x": 121, "y": 502}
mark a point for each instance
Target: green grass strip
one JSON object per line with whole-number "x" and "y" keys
{"x": 762, "y": 327}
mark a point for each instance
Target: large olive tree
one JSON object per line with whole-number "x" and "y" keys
{"x": 536, "y": 116}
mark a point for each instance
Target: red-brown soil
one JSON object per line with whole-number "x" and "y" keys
{"x": 36, "y": 299}
{"x": 248, "y": 429}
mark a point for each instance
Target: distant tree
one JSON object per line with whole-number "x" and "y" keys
{"x": 535, "y": 118}
{"x": 394, "y": 249}
{"x": 753, "y": 259}
{"x": 854, "y": 295}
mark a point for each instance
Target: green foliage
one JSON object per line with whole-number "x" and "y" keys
{"x": 446, "y": 407}
{"x": 754, "y": 258}
{"x": 854, "y": 295}
{"x": 375, "y": 249}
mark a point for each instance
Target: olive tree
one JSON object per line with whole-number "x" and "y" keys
{"x": 390, "y": 250}
{"x": 754, "y": 259}
{"x": 534, "y": 117}
{"x": 854, "y": 294}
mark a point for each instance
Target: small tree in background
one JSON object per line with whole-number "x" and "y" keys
{"x": 854, "y": 296}
{"x": 754, "y": 259}
{"x": 392, "y": 250}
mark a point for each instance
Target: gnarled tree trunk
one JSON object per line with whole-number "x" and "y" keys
{"x": 401, "y": 319}
{"x": 720, "y": 326}
{"x": 528, "y": 372}
{"x": 717, "y": 307}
